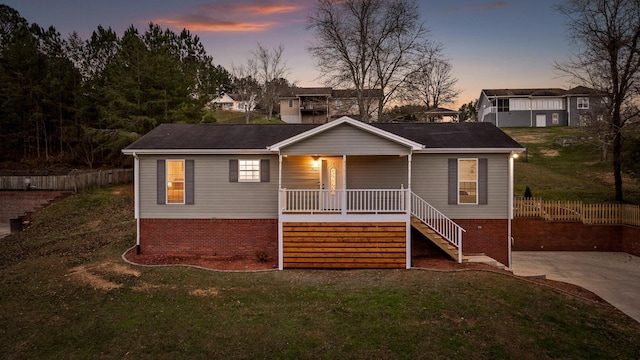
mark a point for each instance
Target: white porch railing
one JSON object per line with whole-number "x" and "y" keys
{"x": 437, "y": 221}
{"x": 374, "y": 201}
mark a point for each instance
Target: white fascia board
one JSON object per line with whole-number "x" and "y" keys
{"x": 471, "y": 151}
{"x": 198, "y": 152}
{"x": 358, "y": 124}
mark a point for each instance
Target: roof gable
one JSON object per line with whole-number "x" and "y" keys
{"x": 355, "y": 123}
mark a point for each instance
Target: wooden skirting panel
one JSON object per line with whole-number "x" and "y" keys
{"x": 344, "y": 245}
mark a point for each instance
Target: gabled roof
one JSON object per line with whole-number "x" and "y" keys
{"x": 355, "y": 123}
{"x": 348, "y": 94}
{"x": 578, "y": 90}
{"x": 312, "y": 91}
{"x": 238, "y": 138}
{"x": 293, "y": 92}
{"x": 583, "y": 90}
{"x": 523, "y": 92}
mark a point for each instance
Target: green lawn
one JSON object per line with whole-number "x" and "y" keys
{"x": 556, "y": 172}
{"x": 66, "y": 293}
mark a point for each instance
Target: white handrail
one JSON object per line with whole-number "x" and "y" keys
{"x": 437, "y": 221}
{"x": 357, "y": 201}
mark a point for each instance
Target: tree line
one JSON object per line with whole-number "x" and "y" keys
{"x": 85, "y": 99}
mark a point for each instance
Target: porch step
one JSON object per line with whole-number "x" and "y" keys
{"x": 486, "y": 260}
{"x": 438, "y": 240}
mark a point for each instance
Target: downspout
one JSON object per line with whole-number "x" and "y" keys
{"x": 136, "y": 197}
{"x": 568, "y": 111}
{"x": 530, "y": 112}
{"x": 497, "y": 123}
{"x": 280, "y": 194}
{"x": 510, "y": 212}
{"x": 409, "y": 193}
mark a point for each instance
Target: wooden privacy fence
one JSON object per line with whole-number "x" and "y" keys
{"x": 74, "y": 181}
{"x": 595, "y": 214}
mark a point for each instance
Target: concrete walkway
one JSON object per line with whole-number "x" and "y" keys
{"x": 614, "y": 276}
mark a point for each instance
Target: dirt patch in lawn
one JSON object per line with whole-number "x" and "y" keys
{"x": 93, "y": 275}
{"x": 204, "y": 292}
{"x": 549, "y": 152}
{"x": 531, "y": 139}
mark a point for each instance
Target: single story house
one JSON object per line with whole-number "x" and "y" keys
{"x": 344, "y": 194}
{"x": 541, "y": 107}
{"x": 234, "y": 102}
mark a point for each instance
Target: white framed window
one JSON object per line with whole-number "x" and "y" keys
{"x": 290, "y": 103}
{"x": 467, "y": 181}
{"x": 554, "y": 119}
{"x": 583, "y": 103}
{"x": 175, "y": 181}
{"x": 503, "y": 105}
{"x": 249, "y": 170}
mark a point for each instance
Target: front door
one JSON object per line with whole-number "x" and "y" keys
{"x": 331, "y": 183}
{"x": 541, "y": 120}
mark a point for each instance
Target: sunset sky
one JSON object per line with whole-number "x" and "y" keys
{"x": 492, "y": 44}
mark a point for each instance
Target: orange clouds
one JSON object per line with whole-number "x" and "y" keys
{"x": 251, "y": 16}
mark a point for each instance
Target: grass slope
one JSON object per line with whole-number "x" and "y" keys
{"x": 66, "y": 293}
{"x": 556, "y": 172}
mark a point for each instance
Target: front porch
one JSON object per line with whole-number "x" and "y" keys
{"x": 359, "y": 228}
{"x": 345, "y": 200}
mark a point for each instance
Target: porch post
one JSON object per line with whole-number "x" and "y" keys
{"x": 344, "y": 185}
{"x": 408, "y": 211}
{"x": 280, "y": 240}
{"x": 510, "y": 211}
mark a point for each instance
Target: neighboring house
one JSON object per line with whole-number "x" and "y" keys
{"x": 441, "y": 114}
{"x": 321, "y": 105}
{"x": 234, "y": 102}
{"x": 540, "y": 107}
{"x": 339, "y": 195}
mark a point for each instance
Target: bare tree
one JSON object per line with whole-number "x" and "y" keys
{"x": 367, "y": 44}
{"x": 245, "y": 84}
{"x": 432, "y": 83}
{"x": 271, "y": 67}
{"x": 606, "y": 35}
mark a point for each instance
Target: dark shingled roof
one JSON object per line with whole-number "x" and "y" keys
{"x": 578, "y": 90}
{"x": 474, "y": 135}
{"x": 524, "y": 92}
{"x": 260, "y": 136}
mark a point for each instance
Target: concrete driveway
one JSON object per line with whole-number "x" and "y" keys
{"x": 614, "y": 276}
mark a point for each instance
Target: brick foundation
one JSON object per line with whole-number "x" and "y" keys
{"x": 631, "y": 240}
{"x": 531, "y": 234}
{"x": 209, "y": 237}
{"x": 489, "y": 237}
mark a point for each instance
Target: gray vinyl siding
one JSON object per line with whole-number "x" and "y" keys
{"x": 519, "y": 118}
{"x": 297, "y": 173}
{"x": 382, "y": 172}
{"x": 430, "y": 182}
{"x": 345, "y": 139}
{"x": 214, "y": 196}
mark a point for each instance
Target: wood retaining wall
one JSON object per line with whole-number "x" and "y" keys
{"x": 344, "y": 245}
